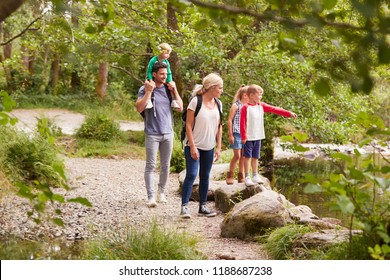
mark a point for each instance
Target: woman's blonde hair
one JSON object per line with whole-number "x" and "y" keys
{"x": 209, "y": 81}
{"x": 240, "y": 92}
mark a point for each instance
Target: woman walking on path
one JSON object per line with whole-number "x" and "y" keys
{"x": 202, "y": 142}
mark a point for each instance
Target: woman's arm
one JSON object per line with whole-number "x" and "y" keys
{"x": 190, "y": 137}
{"x": 219, "y": 143}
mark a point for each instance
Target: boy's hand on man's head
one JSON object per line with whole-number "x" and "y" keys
{"x": 172, "y": 86}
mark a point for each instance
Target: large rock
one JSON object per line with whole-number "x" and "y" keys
{"x": 303, "y": 215}
{"x": 254, "y": 215}
{"x": 229, "y": 195}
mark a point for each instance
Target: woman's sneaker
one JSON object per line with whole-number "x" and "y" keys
{"x": 204, "y": 211}
{"x": 185, "y": 212}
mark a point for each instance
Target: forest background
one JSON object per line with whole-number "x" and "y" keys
{"x": 325, "y": 60}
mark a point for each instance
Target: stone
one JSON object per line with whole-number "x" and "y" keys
{"x": 323, "y": 238}
{"x": 229, "y": 195}
{"x": 251, "y": 217}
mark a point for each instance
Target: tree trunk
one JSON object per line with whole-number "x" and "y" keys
{"x": 7, "y": 7}
{"x": 102, "y": 81}
{"x": 7, "y": 52}
{"x": 75, "y": 80}
{"x": 25, "y": 57}
{"x": 25, "y": 65}
{"x": 55, "y": 74}
{"x": 174, "y": 60}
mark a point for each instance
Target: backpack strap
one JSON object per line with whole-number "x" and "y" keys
{"x": 219, "y": 110}
{"x": 167, "y": 91}
{"x": 198, "y": 105}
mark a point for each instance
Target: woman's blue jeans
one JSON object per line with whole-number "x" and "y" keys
{"x": 203, "y": 164}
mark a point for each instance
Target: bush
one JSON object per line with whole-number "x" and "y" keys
{"x": 178, "y": 162}
{"x": 99, "y": 127}
{"x": 28, "y": 159}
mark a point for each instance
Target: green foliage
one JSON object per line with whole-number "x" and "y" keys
{"x": 356, "y": 249}
{"x": 362, "y": 192}
{"x": 31, "y": 158}
{"x": 35, "y": 169}
{"x": 178, "y": 162}
{"x": 280, "y": 240}
{"x": 292, "y": 50}
{"x": 99, "y": 127}
{"x": 6, "y": 105}
{"x": 48, "y": 130}
{"x": 152, "y": 243}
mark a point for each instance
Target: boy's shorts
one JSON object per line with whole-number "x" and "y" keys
{"x": 252, "y": 149}
{"x": 237, "y": 145}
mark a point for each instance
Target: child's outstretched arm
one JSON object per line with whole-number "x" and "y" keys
{"x": 277, "y": 110}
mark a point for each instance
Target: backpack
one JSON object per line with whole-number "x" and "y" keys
{"x": 197, "y": 109}
{"x": 167, "y": 91}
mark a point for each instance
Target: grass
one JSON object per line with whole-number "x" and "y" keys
{"x": 130, "y": 146}
{"x": 153, "y": 243}
{"x": 279, "y": 242}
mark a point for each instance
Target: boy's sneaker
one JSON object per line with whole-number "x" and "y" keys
{"x": 249, "y": 182}
{"x": 162, "y": 198}
{"x": 257, "y": 179}
{"x": 149, "y": 105}
{"x": 151, "y": 203}
{"x": 174, "y": 104}
{"x": 185, "y": 212}
{"x": 204, "y": 211}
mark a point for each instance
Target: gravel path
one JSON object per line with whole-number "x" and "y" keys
{"x": 116, "y": 190}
